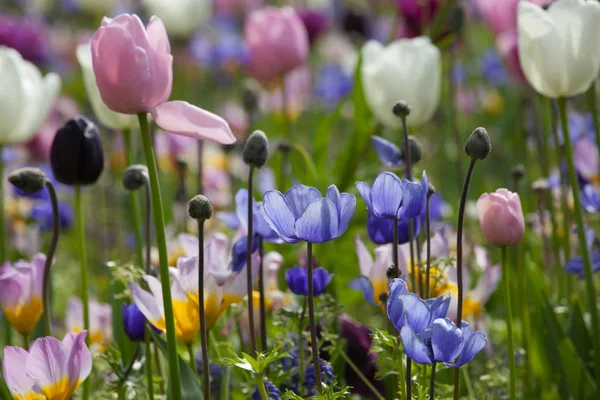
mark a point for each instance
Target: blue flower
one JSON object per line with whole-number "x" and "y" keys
{"x": 408, "y": 309}
{"x": 443, "y": 342}
{"x": 240, "y": 218}
{"x": 332, "y": 84}
{"x": 493, "y": 69}
{"x": 388, "y": 152}
{"x": 381, "y": 230}
{"x": 394, "y": 198}
{"x": 302, "y": 214}
{"x": 297, "y": 280}
{"x": 134, "y": 322}
{"x": 309, "y": 376}
{"x": 238, "y": 253}
{"x": 272, "y": 392}
{"x": 216, "y": 372}
{"x": 590, "y": 198}
{"x": 42, "y": 214}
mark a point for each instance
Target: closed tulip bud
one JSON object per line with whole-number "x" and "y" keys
{"x": 256, "y": 149}
{"x": 277, "y": 42}
{"x": 76, "y": 156}
{"x": 558, "y": 48}
{"x": 29, "y": 180}
{"x": 501, "y": 218}
{"x": 200, "y": 208}
{"x": 135, "y": 176}
{"x": 478, "y": 145}
{"x": 410, "y": 67}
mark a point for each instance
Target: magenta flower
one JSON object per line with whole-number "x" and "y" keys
{"x": 50, "y": 370}
{"x": 21, "y": 286}
{"x": 277, "y": 42}
{"x": 133, "y": 66}
{"x": 501, "y": 217}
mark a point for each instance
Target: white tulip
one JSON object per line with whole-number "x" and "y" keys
{"x": 560, "y": 48}
{"x": 105, "y": 116}
{"x": 181, "y": 17}
{"x": 407, "y": 69}
{"x": 26, "y": 97}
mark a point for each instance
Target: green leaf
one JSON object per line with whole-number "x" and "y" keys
{"x": 190, "y": 388}
{"x": 309, "y": 164}
{"x": 320, "y": 148}
{"x": 246, "y": 363}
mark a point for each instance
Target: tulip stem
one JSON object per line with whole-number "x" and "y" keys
{"x": 432, "y": 382}
{"x": 360, "y": 375}
{"x": 428, "y": 270}
{"x": 509, "y": 326}
{"x": 161, "y": 241}
{"x": 191, "y": 356}
{"x": 133, "y": 203}
{"x": 459, "y": 261}
{"x": 148, "y": 351}
{"x": 311, "y": 318}
{"x": 261, "y": 293}
{"x": 249, "y": 262}
{"x": 25, "y": 342}
{"x": 585, "y": 252}
{"x": 84, "y": 275}
{"x": 593, "y": 103}
{"x": 50, "y": 257}
{"x": 202, "y": 312}
{"x": 148, "y": 267}
{"x": 2, "y": 216}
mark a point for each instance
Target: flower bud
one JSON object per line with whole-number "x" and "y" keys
{"x": 256, "y": 149}
{"x": 200, "y": 208}
{"x": 430, "y": 190}
{"x": 518, "y": 172}
{"x": 76, "y": 156}
{"x": 135, "y": 176}
{"x": 392, "y": 272}
{"x": 501, "y": 218}
{"x": 540, "y": 186}
{"x": 29, "y": 180}
{"x": 250, "y": 96}
{"x": 401, "y": 109}
{"x": 478, "y": 145}
{"x": 416, "y": 150}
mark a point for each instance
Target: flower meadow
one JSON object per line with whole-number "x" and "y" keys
{"x": 318, "y": 199}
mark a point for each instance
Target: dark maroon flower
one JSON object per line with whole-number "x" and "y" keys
{"x": 315, "y": 22}
{"x": 27, "y": 36}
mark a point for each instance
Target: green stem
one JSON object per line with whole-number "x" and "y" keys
{"x": 428, "y": 222}
{"x": 509, "y": 326}
{"x": 2, "y": 217}
{"x": 585, "y": 252}
{"x": 84, "y": 275}
{"x": 361, "y": 376}
{"x": 25, "y": 342}
{"x": 260, "y": 384}
{"x": 161, "y": 241}
{"x": 192, "y": 360}
{"x": 311, "y": 319}
{"x": 133, "y": 203}
{"x": 49, "y": 258}
{"x": 202, "y": 312}
{"x": 249, "y": 238}
{"x": 301, "y": 345}
{"x": 149, "y": 377}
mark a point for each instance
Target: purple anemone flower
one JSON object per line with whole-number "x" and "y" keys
{"x": 134, "y": 322}
{"x": 303, "y": 214}
{"x": 297, "y": 280}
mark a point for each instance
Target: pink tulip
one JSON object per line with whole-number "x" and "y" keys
{"x": 133, "y": 66}
{"x": 501, "y": 15}
{"x": 501, "y": 218}
{"x": 277, "y": 42}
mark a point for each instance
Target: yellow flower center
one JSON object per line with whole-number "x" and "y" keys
{"x": 25, "y": 317}
{"x": 59, "y": 390}
{"x": 30, "y": 396}
{"x": 472, "y": 308}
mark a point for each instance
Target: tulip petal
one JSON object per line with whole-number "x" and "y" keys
{"x": 319, "y": 222}
{"x": 365, "y": 261}
{"x": 363, "y": 284}
{"x": 157, "y": 36}
{"x": 182, "y": 118}
{"x": 45, "y": 365}
{"x": 12, "y": 82}
{"x": 146, "y": 303}
{"x": 279, "y": 215}
{"x": 14, "y": 372}
{"x": 299, "y": 197}
{"x": 413, "y": 347}
{"x": 386, "y": 195}
{"x": 79, "y": 358}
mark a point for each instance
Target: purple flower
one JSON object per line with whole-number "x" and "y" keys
{"x": 134, "y": 322}
{"x": 381, "y": 230}
{"x": 303, "y": 214}
{"x": 493, "y": 69}
{"x": 51, "y": 367}
{"x": 590, "y": 198}
{"x": 297, "y": 280}
{"x": 407, "y": 309}
{"x": 388, "y": 152}
{"x": 28, "y": 37}
{"x": 394, "y": 198}
{"x": 315, "y": 23}
{"x": 443, "y": 342}
{"x": 42, "y": 214}
{"x": 240, "y": 218}
{"x": 332, "y": 84}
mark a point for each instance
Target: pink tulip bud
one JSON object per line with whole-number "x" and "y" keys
{"x": 277, "y": 42}
{"x": 132, "y": 64}
{"x": 501, "y": 218}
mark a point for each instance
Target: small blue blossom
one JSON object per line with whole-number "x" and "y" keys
{"x": 332, "y": 84}
{"x": 388, "y": 152}
{"x": 493, "y": 68}
{"x": 297, "y": 280}
{"x": 41, "y": 212}
{"x": 134, "y": 322}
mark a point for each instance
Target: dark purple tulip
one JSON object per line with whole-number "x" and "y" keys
{"x": 297, "y": 280}
{"x": 418, "y": 14}
{"x": 315, "y": 23}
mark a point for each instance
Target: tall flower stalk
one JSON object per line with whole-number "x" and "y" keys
{"x": 161, "y": 241}
{"x": 133, "y": 202}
